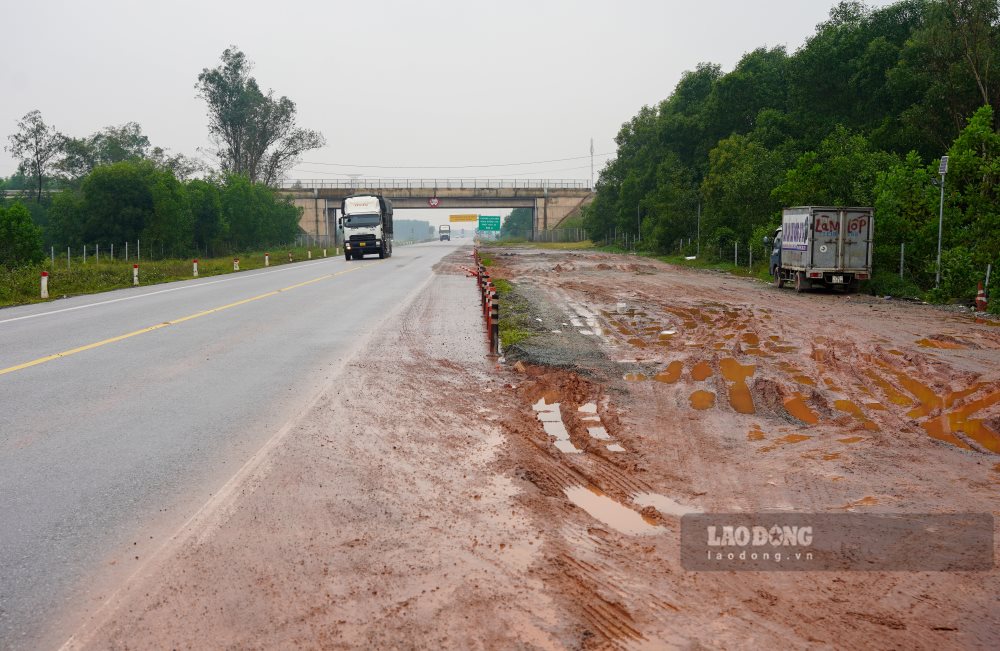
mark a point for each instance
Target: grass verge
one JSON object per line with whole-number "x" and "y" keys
{"x": 515, "y": 320}
{"x": 20, "y": 286}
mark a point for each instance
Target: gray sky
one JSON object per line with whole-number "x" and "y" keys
{"x": 392, "y": 83}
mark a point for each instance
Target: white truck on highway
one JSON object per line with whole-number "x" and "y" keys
{"x": 826, "y": 246}
{"x": 444, "y": 232}
{"x": 367, "y": 223}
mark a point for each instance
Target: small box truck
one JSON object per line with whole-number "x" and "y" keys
{"x": 820, "y": 246}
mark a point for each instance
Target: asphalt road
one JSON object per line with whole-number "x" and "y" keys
{"x": 160, "y": 394}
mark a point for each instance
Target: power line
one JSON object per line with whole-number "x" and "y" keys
{"x": 494, "y": 176}
{"x": 451, "y": 167}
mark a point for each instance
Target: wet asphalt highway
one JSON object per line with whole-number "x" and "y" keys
{"x": 107, "y": 449}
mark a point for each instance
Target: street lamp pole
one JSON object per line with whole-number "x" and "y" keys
{"x": 638, "y": 223}
{"x": 943, "y": 171}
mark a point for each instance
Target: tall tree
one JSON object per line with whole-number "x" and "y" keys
{"x": 37, "y": 145}
{"x": 255, "y": 133}
{"x": 20, "y": 239}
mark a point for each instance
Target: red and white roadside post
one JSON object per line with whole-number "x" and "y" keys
{"x": 324, "y": 253}
{"x": 309, "y": 254}
{"x": 981, "y": 299}
{"x": 289, "y": 256}
{"x": 236, "y": 264}
{"x": 45, "y": 284}
{"x": 196, "y": 267}
{"x": 267, "y": 259}
{"x": 135, "y": 275}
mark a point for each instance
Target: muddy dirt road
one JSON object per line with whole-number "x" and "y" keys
{"x": 437, "y": 499}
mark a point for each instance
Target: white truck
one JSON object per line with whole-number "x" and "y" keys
{"x": 444, "y": 232}
{"x": 825, "y": 246}
{"x": 367, "y": 223}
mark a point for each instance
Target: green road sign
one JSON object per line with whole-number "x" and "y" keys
{"x": 489, "y": 222}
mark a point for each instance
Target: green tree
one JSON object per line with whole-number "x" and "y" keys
{"x": 256, "y": 214}
{"x": 842, "y": 172}
{"x": 20, "y": 239}
{"x": 205, "y": 200}
{"x": 36, "y": 145}
{"x": 255, "y": 133}
{"x": 517, "y": 224}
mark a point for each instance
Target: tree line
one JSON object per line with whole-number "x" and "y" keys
{"x": 115, "y": 186}
{"x": 859, "y": 115}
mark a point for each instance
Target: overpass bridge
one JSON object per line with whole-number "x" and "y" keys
{"x": 552, "y": 201}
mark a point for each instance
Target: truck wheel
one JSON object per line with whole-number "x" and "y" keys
{"x": 779, "y": 282}
{"x": 800, "y": 282}
{"x": 381, "y": 252}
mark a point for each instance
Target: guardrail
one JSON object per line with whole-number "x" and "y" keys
{"x": 435, "y": 184}
{"x": 491, "y": 304}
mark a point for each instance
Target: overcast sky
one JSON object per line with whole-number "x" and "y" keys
{"x": 389, "y": 83}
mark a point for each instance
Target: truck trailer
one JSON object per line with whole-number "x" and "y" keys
{"x": 822, "y": 246}
{"x": 367, "y": 223}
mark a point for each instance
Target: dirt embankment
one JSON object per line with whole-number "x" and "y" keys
{"x": 437, "y": 499}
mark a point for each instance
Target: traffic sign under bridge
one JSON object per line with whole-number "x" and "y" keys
{"x": 489, "y": 222}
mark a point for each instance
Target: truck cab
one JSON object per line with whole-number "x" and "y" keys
{"x": 444, "y": 233}
{"x": 367, "y": 223}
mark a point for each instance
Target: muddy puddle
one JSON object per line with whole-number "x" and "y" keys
{"x": 550, "y": 415}
{"x": 614, "y": 514}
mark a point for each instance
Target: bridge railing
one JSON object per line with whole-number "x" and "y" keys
{"x": 430, "y": 184}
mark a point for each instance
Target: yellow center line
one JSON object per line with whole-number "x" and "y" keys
{"x": 135, "y": 333}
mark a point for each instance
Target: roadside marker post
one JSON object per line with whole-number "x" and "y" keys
{"x": 289, "y": 256}
{"x": 45, "y": 284}
{"x": 324, "y": 253}
{"x": 135, "y": 275}
{"x": 267, "y": 259}
{"x": 309, "y": 254}
{"x": 236, "y": 264}
{"x": 196, "y": 267}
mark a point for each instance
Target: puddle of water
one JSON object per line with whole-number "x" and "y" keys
{"x": 614, "y": 447}
{"x": 774, "y": 338}
{"x": 690, "y": 325}
{"x": 729, "y": 336}
{"x": 877, "y": 406}
{"x": 755, "y": 434}
{"x": 784, "y": 349}
{"x": 550, "y": 416}
{"x": 589, "y": 408}
{"x": 604, "y": 509}
{"x": 567, "y": 447}
{"x": 797, "y": 407}
{"x": 667, "y": 334}
{"x": 750, "y": 339}
{"x": 830, "y": 456}
{"x": 664, "y": 504}
{"x": 895, "y": 352}
{"x": 635, "y": 377}
{"x": 848, "y": 407}
{"x": 937, "y": 343}
{"x": 701, "y": 371}
{"x": 805, "y": 379}
{"x": 851, "y": 439}
{"x": 739, "y": 393}
{"x": 638, "y": 343}
{"x": 793, "y": 438}
{"x": 864, "y": 501}
{"x": 954, "y": 396}
{"x": 719, "y": 345}
{"x": 894, "y": 396}
{"x": 702, "y": 399}
{"x": 598, "y": 433}
{"x": 942, "y": 427}
{"x": 670, "y": 374}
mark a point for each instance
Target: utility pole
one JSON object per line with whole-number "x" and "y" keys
{"x": 591, "y": 163}
{"x": 698, "y": 246}
{"x": 943, "y": 171}
{"x": 638, "y": 222}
